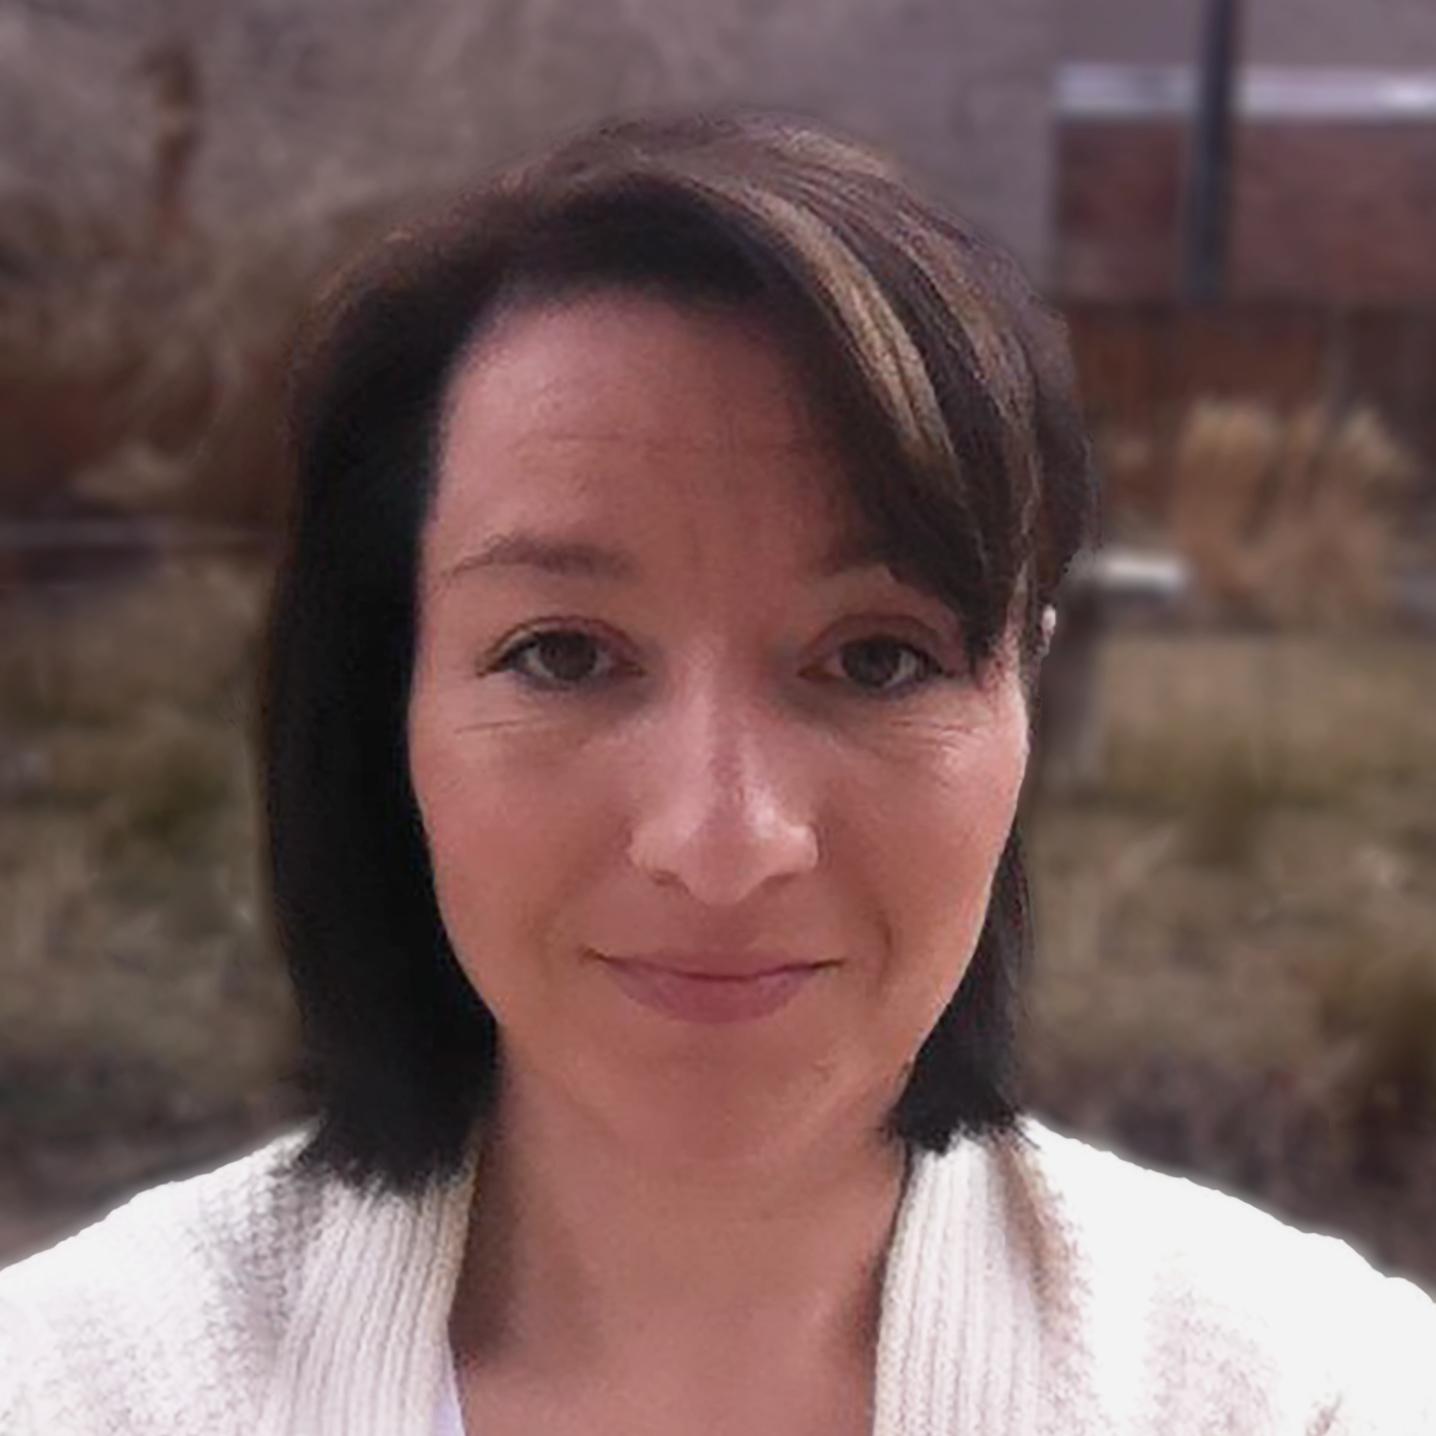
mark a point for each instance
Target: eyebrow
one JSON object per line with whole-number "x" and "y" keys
{"x": 577, "y": 558}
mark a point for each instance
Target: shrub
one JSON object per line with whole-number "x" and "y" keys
{"x": 1289, "y": 519}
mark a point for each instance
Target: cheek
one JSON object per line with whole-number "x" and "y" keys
{"x": 496, "y": 846}
{"x": 935, "y": 858}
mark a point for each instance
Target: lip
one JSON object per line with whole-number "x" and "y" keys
{"x": 711, "y": 997}
{"x": 717, "y": 965}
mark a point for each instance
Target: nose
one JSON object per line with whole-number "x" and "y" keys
{"x": 723, "y": 813}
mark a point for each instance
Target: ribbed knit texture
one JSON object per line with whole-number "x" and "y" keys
{"x": 1035, "y": 1286}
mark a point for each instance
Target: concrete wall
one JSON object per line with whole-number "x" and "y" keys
{"x": 958, "y": 88}
{"x": 308, "y": 107}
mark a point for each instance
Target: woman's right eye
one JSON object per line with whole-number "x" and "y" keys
{"x": 567, "y": 653}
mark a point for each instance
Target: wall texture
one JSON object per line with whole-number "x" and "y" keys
{"x": 306, "y": 107}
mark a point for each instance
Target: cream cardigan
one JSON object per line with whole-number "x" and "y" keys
{"x": 1032, "y": 1286}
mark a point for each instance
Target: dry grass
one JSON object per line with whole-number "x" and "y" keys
{"x": 1292, "y": 519}
{"x": 1237, "y": 973}
{"x": 141, "y": 1017}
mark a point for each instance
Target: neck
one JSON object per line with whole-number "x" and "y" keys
{"x": 586, "y": 1252}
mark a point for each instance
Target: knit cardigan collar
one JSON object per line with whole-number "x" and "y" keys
{"x": 959, "y": 1332}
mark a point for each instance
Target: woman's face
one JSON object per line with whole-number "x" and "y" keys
{"x": 656, "y": 720}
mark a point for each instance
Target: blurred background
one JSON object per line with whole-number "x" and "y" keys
{"x": 1232, "y": 825}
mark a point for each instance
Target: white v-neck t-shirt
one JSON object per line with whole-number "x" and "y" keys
{"x": 448, "y": 1419}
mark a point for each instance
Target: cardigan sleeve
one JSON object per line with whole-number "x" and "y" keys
{"x": 161, "y": 1317}
{"x": 1389, "y": 1364}
{"x": 49, "y": 1369}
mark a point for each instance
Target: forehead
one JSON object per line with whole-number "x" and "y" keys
{"x": 622, "y": 363}
{"x": 620, "y": 406}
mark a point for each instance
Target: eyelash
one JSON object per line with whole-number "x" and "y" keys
{"x": 510, "y": 661}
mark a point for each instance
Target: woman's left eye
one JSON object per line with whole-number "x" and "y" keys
{"x": 880, "y": 657}
{"x": 868, "y": 664}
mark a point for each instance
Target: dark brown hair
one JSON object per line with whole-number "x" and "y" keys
{"x": 948, "y": 384}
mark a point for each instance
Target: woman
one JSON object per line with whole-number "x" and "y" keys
{"x": 657, "y": 948}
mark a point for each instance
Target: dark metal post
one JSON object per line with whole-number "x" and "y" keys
{"x": 1208, "y": 198}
